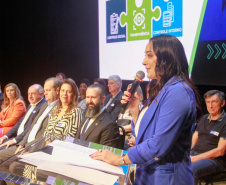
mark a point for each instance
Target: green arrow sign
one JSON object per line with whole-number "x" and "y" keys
{"x": 224, "y": 55}
{"x": 218, "y": 51}
{"x": 211, "y": 51}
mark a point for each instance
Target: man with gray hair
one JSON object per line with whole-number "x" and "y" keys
{"x": 209, "y": 140}
{"x": 51, "y": 88}
{"x": 16, "y": 134}
{"x": 112, "y": 102}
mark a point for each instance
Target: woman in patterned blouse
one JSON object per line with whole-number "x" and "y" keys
{"x": 66, "y": 116}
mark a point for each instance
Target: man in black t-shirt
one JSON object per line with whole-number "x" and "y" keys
{"x": 209, "y": 140}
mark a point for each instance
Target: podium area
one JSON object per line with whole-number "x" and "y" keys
{"x": 51, "y": 164}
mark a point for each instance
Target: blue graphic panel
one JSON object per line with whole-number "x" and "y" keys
{"x": 214, "y": 23}
{"x": 171, "y": 18}
{"x": 115, "y": 33}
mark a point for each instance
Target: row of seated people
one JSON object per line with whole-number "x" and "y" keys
{"x": 58, "y": 113}
{"x": 112, "y": 91}
{"x": 14, "y": 110}
{"x": 208, "y": 142}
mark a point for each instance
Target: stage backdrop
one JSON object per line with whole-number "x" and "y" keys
{"x": 39, "y": 38}
{"x": 126, "y": 25}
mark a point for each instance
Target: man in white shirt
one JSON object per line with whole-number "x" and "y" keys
{"x": 51, "y": 88}
{"x": 16, "y": 134}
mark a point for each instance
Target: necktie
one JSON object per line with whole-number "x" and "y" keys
{"x": 84, "y": 128}
{"x": 108, "y": 103}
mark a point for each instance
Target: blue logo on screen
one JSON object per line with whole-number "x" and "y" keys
{"x": 115, "y": 33}
{"x": 130, "y": 20}
{"x": 171, "y": 18}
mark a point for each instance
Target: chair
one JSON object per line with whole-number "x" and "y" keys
{"x": 121, "y": 140}
{"x": 211, "y": 179}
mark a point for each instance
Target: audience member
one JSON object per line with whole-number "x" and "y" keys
{"x": 1, "y": 96}
{"x": 102, "y": 82}
{"x": 209, "y": 140}
{"x": 16, "y": 134}
{"x": 98, "y": 125}
{"x": 82, "y": 98}
{"x": 13, "y": 108}
{"x": 51, "y": 88}
{"x": 112, "y": 102}
{"x": 61, "y": 76}
{"x": 66, "y": 116}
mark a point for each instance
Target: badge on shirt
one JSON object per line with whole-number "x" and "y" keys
{"x": 60, "y": 124}
{"x": 34, "y": 111}
{"x": 112, "y": 104}
{"x": 214, "y": 133}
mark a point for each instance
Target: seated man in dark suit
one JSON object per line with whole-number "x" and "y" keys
{"x": 112, "y": 102}
{"x": 17, "y": 133}
{"x": 209, "y": 140}
{"x": 98, "y": 125}
{"x": 51, "y": 88}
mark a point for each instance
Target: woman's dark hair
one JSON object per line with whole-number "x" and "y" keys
{"x": 74, "y": 102}
{"x": 152, "y": 89}
{"x": 171, "y": 61}
{"x": 85, "y": 81}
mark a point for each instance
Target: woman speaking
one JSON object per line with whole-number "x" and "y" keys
{"x": 163, "y": 128}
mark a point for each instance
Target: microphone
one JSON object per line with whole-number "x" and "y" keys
{"x": 138, "y": 79}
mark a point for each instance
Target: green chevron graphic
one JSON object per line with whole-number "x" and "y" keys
{"x": 211, "y": 51}
{"x": 224, "y": 46}
{"x": 218, "y": 51}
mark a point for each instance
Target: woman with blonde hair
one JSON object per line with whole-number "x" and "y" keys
{"x": 13, "y": 108}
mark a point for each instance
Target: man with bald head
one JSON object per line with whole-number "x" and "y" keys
{"x": 51, "y": 88}
{"x": 16, "y": 134}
